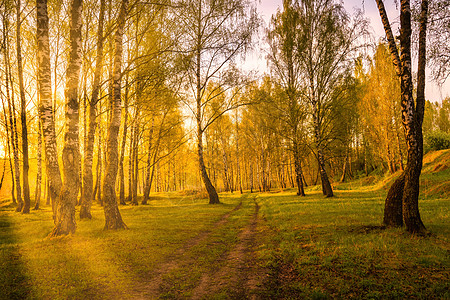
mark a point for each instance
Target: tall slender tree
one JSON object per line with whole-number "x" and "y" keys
{"x": 45, "y": 102}
{"x": 402, "y": 202}
{"x": 11, "y": 113}
{"x": 122, "y": 147}
{"x": 284, "y": 56}
{"x": 238, "y": 165}
{"x": 328, "y": 38}
{"x": 65, "y": 208}
{"x": 37, "y": 191}
{"x": 88, "y": 181}
{"x": 213, "y": 34}
{"x": 149, "y": 167}
{"x": 23, "y": 115}
{"x": 8, "y": 145}
{"x": 15, "y": 140}
{"x": 113, "y": 218}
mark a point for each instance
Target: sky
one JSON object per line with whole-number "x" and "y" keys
{"x": 432, "y": 91}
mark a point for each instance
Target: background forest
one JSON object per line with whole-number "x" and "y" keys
{"x": 126, "y": 97}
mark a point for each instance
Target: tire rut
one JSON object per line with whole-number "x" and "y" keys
{"x": 151, "y": 286}
{"x": 240, "y": 277}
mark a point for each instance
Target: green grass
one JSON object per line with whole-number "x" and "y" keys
{"x": 310, "y": 248}
{"x": 94, "y": 263}
{"x": 335, "y": 248}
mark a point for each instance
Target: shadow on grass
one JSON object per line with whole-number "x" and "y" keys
{"x": 76, "y": 274}
{"x": 45, "y": 269}
{"x": 14, "y": 281}
{"x": 152, "y": 258}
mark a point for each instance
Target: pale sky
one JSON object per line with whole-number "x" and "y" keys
{"x": 268, "y": 7}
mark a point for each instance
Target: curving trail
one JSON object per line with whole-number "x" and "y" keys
{"x": 241, "y": 276}
{"x": 150, "y": 287}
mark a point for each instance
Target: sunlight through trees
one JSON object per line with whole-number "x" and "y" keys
{"x": 109, "y": 102}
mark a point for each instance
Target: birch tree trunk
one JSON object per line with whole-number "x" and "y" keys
{"x": 226, "y": 175}
{"x": 403, "y": 196}
{"x": 213, "y": 196}
{"x": 122, "y": 152}
{"x": 37, "y": 191}
{"x": 346, "y": 163}
{"x": 8, "y": 144}
{"x": 88, "y": 180}
{"x": 98, "y": 181}
{"x": 326, "y": 186}
{"x": 130, "y": 160}
{"x": 148, "y": 174}
{"x": 65, "y": 211}
{"x": 412, "y": 117}
{"x": 11, "y": 117}
{"x": 3, "y": 173}
{"x": 136, "y": 168}
{"x": 298, "y": 170}
{"x": 46, "y": 191}
{"x": 154, "y": 162}
{"x": 23, "y": 117}
{"x": 134, "y": 162}
{"x": 45, "y": 103}
{"x": 113, "y": 219}
{"x": 238, "y": 167}
{"x": 15, "y": 142}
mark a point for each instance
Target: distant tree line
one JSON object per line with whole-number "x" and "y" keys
{"x": 110, "y": 101}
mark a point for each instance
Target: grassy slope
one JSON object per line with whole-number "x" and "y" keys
{"x": 322, "y": 248}
{"x": 336, "y": 248}
{"x": 310, "y": 247}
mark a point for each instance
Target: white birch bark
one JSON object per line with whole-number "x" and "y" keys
{"x": 65, "y": 209}
{"x": 113, "y": 218}
{"x": 45, "y": 103}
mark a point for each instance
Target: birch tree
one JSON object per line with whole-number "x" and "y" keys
{"x": 65, "y": 208}
{"x": 402, "y": 201}
{"x": 213, "y": 33}
{"x": 45, "y": 102}
{"x": 88, "y": 181}
{"x": 113, "y": 218}
{"x": 284, "y": 58}
{"x": 328, "y": 38}
{"x": 11, "y": 111}
{"x": 23, "y": 115}
{"x": 37, "y": 191}
{"x": 8, "y": 145}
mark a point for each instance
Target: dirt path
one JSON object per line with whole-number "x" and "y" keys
{"x": 240, "y": 277}
{"x": 151, "y": 286}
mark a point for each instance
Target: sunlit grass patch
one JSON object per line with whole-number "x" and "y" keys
{"x": 311, "y": 247}
{"x": 95, "y": 263}
{"x": 208, "y": 256}
{"x": 337, "y": 248}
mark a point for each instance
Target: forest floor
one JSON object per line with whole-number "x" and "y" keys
{"x": 272, "y": 245}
